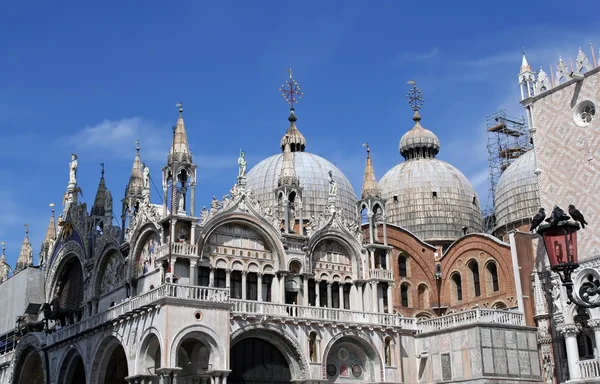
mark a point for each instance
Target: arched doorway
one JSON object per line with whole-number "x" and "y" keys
{"x": 192, "y": 357}
{"x": 352, "y": 359}
{"x": 116, "y": 370}
{"x": 69, "y": 289}
{"x": 256, "y": 361}
{"x": 72, "y": 370}
{"x": 30, "y": 368}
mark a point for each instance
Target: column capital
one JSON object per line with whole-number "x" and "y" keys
{"x": 594, "y": 323}
{"x": 569, "y": 330}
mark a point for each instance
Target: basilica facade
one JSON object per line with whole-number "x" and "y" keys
{"x": 290, "y": 277}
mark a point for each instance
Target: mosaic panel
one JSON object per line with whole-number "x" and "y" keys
{"x": 531, "y": 340}
{"x": 476, "y": 362}
{"x": 535, "y": 363}
{"x": 521, "y": 340}
{"x": 498, "y": 338}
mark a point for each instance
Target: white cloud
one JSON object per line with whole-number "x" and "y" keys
{"x": 117, "y": 137}
{"x": 407, "y": 57}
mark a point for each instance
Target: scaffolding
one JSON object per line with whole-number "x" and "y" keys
{"x": 508, "y": 138}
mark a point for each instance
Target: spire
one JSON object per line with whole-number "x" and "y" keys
{"x": 4, "y": 267}
{"x": 26, "y": 255}
{"x": 292, "y": 94}
{"x": 136, "y": 179}
{"x": 370, "y": 187}
{"x": 524, "y": 64}
{"x": 51, "y": 231}
{"x": 288, "y": 169}
{"x": 418, "y": 142}
{"x": 99, "y": 201}
{"x": 180, "y": 142}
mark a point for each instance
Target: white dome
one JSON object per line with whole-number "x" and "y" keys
{"x": 517, "y": 193}
{"x": 313, "y": 175}
{"x": 409, "y": 188}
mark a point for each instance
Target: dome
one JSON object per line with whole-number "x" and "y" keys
{"x": 432, "y": 199}
{"x": 313, "y": 173}
{"x": 517, "y": 194}
{"x": 419, "y": 142}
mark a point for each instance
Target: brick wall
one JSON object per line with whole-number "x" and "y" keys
{"x": 569, "y": 156}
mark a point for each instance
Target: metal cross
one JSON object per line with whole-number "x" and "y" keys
{"x": 102, "y": 165}
{"x": 26, "y": 228}
{"x": 291, "y": 90}
{"x": 415, "y": 97}
{"x": 180, "y": 106}
{"x": 137, "y": 145}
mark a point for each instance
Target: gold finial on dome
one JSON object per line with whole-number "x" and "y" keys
{"x": 415, "y": 97}
{"x": 292, "y": 94}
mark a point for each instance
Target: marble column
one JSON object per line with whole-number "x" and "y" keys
{"x": 595, "y": 325}
{"x": 211, "y": 277}
{"x": 305, "y": 290}
{"x": 317, "y": 293}
{"x": 244, "y": 273}
{"x": 569, "y": 332}
{"x": 228, "y": 278}
{"x": 193, "y": 273}
{"x": 374, "y": 297}
{"x": 259, "y": 287}
{"x": 282, "y": 286}
{"x": 390, "y": 298}
{"x": 341, "y": 294}
{"x": 329, "y": 297}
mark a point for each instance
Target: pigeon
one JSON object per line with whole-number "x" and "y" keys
{"x": 537, "y": 219}
{"x": 577, "y": 216}
{"x": 557, "y": 216}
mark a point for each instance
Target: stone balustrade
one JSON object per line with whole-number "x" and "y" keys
{"x": 6, "y": 358}
{"x": 146, "y": 299}
{"x": 319, "y": 314}
{"x": 178, "y": 249}
{"x": 473, "y": 316}
{"x": 589, "y": 369}
{"x": 380, "y": 274}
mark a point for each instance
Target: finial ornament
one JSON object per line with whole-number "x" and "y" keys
{"x": 180, "y": 106}
{"x": 26, "y": 229}
{"x": 137, "y": 146}
{"x": 291, "y": 90}
{"x": 102, "y": 165}
{"x": 366, "y": 145}
{"x": 415, "y": 97}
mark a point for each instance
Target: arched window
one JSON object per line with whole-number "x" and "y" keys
{"x": 404, "y": 295}
{"x": 312, "y": 346}
{"x": 423, "y": 293}
{"x": 388, "y": 351}
{"x": 492, "y": 269}
{"x": 402, "y": 266}
{"x": 457, "y": 286}
{"x": 474, "y": 267}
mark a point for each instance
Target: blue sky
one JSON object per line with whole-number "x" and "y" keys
{"x": 93, "y": 79}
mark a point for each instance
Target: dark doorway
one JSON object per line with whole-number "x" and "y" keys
{"x": 256, "y": 361}
{"x": 291, "y": 297}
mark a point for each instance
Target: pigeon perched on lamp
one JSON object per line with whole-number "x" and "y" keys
{"x": 577, "y": 216}
{"x": 537, "y": 219}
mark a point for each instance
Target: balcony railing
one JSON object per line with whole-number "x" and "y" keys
{"x": 185, "y": 292}
{"x": 181, "y": 249}
{"x": 380, "y": 274}
{"x": 319, "y": 314}
{"x": 589, "y": 369}
{"x": 474, "y": 316}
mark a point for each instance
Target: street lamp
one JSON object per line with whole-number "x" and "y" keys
{"x": 560, "y": 241}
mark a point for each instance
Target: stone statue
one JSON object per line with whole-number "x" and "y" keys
{"x": 4, "y": 268}
{"x": 332, "y": 185}
{"x": 180, "y": 199}
{"x": 204, "y": 215}
{"x": 242, "y": 164}
{"x": 555, "y": 293}
{"x": 549, "y": 375}
{"x": 73, "y": 169}
{"x": 146, "y": 177}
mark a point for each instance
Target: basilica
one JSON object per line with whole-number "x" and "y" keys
{"x": 293, "y": 276}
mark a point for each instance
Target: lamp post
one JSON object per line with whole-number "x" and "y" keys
{"x": 560, "y": 240}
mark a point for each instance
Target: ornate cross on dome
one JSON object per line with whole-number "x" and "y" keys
{"x": 291, "y": 90}
{"x": 415, "y": 97}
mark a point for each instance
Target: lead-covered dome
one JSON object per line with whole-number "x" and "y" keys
{"x": 311, "y": 172}
{"x": 427, "y": 196}
{"x": 517, "y": 193}
{"x": 313, "y": 175}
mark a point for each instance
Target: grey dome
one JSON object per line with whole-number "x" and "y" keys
{"x": 408, "y": 190}
{"x": 419, "y": 142}
{"x": 517, "y": 194}
{"x": 313, "y": 174}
